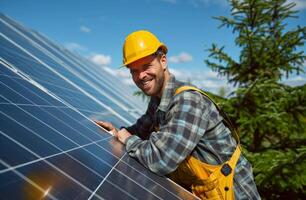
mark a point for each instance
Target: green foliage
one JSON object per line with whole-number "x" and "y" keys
{"x": 288, "y": 169}
{"x": 271, "y": 117}
{"x": 266, "y": 49}
{"x": 222, "y": 91}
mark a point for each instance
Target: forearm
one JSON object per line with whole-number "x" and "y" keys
{"x": 164, "y": 150}
{"x": 150, "y": 155}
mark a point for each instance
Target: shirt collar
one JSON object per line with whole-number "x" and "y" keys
{"x": 168, "y": 93}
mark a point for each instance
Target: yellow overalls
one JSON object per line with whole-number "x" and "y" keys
{"x": 207, "y": 181}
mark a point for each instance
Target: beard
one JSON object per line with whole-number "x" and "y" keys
{"x": 153, "y": 87}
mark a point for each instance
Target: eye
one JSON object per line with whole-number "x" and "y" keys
{"x": 133, "y": 72}
{"x": 147, "y": 66}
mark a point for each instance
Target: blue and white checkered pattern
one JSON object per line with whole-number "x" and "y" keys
{"x": 188, "y": 123}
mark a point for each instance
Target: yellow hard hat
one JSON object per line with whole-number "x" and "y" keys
{"x": 140, "y": 44}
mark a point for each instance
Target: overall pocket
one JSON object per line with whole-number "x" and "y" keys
{"x": 208, "y": 189}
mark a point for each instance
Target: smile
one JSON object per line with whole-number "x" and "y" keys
{"x": 146, "y": 83}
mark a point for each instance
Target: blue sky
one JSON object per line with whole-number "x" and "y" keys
{"x": 96, "y": 29}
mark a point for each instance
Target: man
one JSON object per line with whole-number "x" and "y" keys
{"x": 181, "y": 135}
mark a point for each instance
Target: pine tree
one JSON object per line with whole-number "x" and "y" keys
{"x": 270, "y": 116}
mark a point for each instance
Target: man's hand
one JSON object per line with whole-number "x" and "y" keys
{"x": 121, "y": 135}
{"x": 107, "y": 126}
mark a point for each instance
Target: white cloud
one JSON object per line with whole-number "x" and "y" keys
{"x": 110, "y": 70}
{"x": 295, "y": 81}
{"x": 177, "y": 73}
{"x": 123, "y": 74}
{"x": 101, "y": 59}
{"x": 300, "y": 4}
{"x": 212, "y": 82}
{"x": 181, "y": 58}
{"x": 75, "y": 47}
{"x": 204, "y": 79}
{"x": 212, "y": 75}
{"x": 85, "y": 29}
{"x": 129, "y": 82}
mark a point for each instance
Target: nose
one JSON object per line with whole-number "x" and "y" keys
{"x": 142, "y": 75}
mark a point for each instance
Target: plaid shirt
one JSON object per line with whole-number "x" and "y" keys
{"x": 176, "y": 126}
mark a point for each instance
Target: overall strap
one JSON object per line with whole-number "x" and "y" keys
{"x": 225, "y": 117}
{"x": 187, "y": 87}
{"x": 214, "y": 181}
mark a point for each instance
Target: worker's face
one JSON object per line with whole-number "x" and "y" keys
{"x": 148, "y": 74}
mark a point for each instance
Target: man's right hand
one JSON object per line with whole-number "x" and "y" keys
{"x": 107, "y": 126}
{"x": 121, "y": 135}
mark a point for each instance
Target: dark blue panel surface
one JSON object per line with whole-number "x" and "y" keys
{"x": 13, "y": 154}
{"x": 52, "y": 67}
{"x": 11, "y": 124}
{"x": 56, "y": 182}
{"x": 130, "y": 186}
{"x": 50, "y": 147}
{"x": 110, "y": 190}
{"x": 11, "y": 183}
{"x": 82, "y": 173}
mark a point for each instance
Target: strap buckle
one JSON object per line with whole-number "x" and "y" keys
{"x": 226, "y": 169}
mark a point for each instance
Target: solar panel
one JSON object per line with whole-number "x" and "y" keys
{"x": 50, "y": 148}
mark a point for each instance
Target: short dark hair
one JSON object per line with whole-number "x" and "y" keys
{"x": 159, "y": 53}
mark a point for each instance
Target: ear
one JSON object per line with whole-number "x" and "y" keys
{"x": 163, "y": 61}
